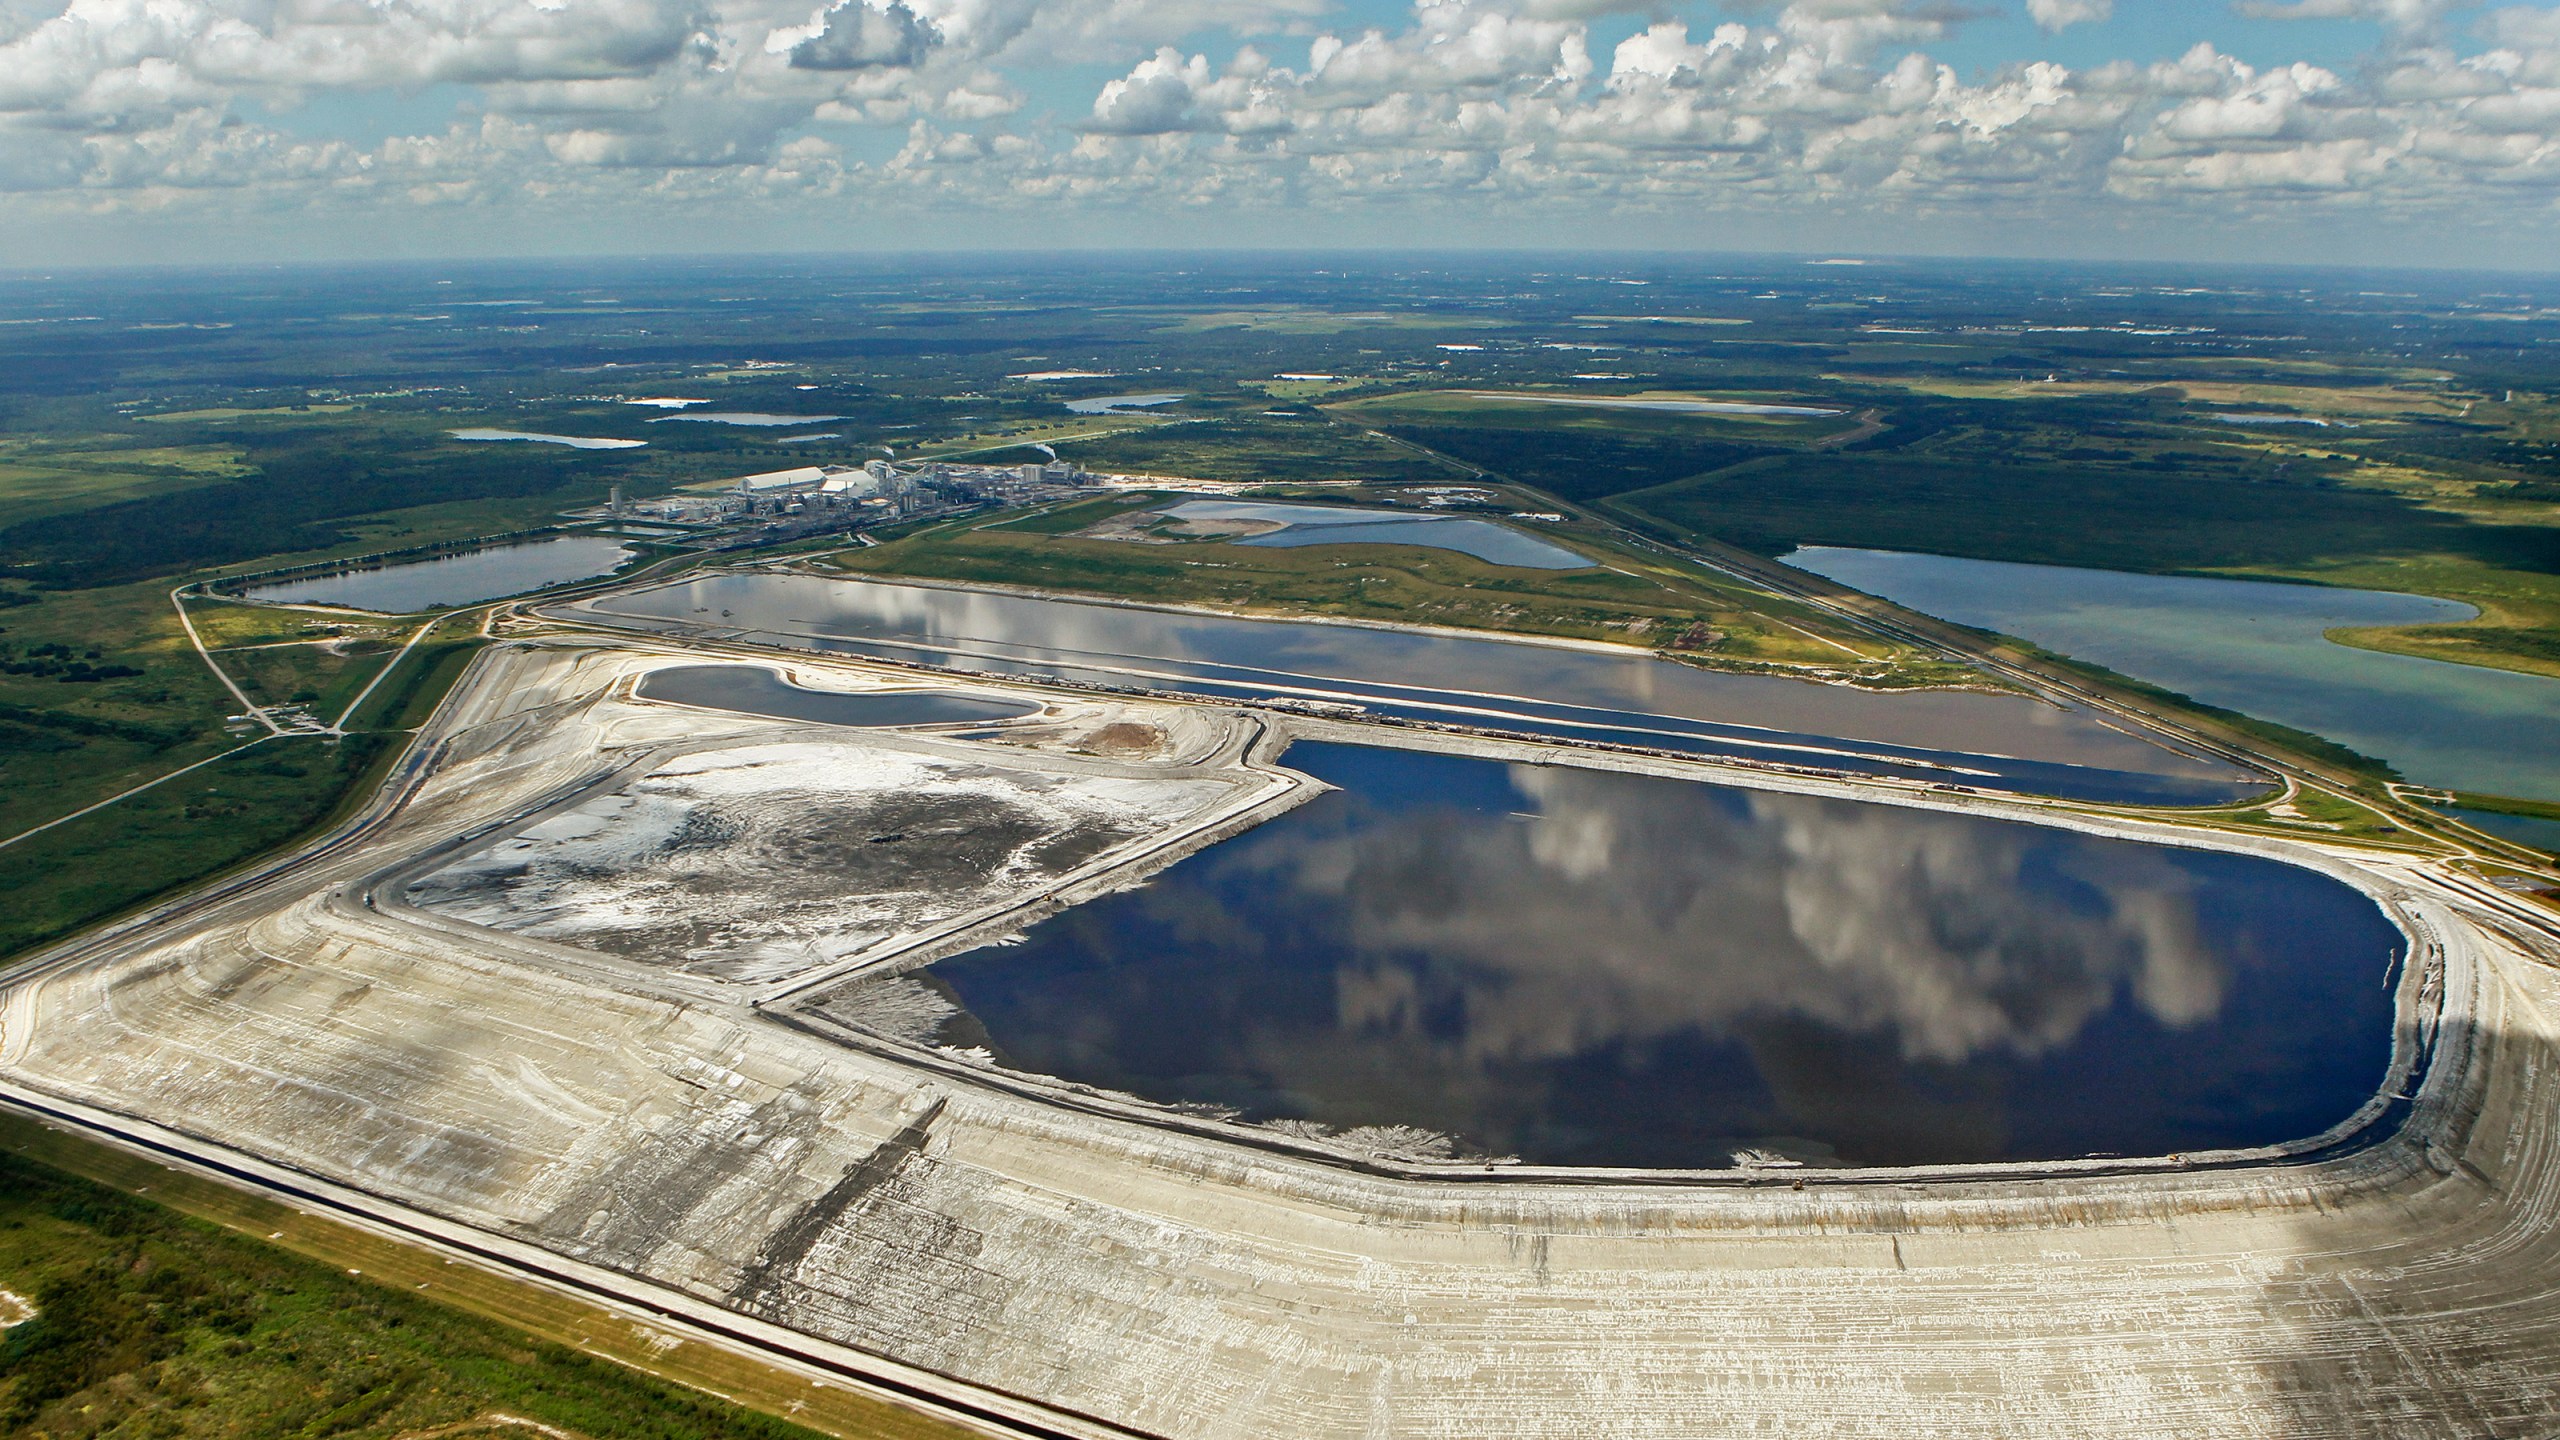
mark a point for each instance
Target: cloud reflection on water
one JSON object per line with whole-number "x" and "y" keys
{"x": 1629, "y": 908}
{"x": 1589, "y": 968}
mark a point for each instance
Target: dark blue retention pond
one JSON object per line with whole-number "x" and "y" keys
{"x": 1583, "y": 968}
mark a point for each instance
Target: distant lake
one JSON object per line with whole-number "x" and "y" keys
{"x": 1584, "y": 968}
{"x": 2255, "y": 647}
{"x": 744, "y": 417}
{"x": 574, "y": 442}
{"x": 1105, "y": 404}
{"x": 459, "y": 579}
{"x": 1342, "y": 525}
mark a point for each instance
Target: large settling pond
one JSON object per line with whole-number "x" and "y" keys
{"x": 1581, "y": 968}
{"x": 473, "y": 575}
{"x": 2256, "y": 647}
{"x": 1983, "y": 740}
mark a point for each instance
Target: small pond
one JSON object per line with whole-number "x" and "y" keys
{"x": 754, "y": 690}
{"x": 1340, "y": 525}
{"x": 2258, "y": 648}
{"x": 459, "y": 579}
{"x": 574, "y": 442}
{"x": 743, "y": 417}
{"x": 1105, "y": 404}
{"x": 1582, "y": 968}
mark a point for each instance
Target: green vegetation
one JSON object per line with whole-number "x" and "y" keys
{"x": 2331, "y": 816}
{"x": 311, "y": 474}
{"x": 2507, "y": 805}
{"x": 74, "y": 738}
{"x": 1255, "y": 448}
{"x": 202, "y": 823}
{"x": 2518, "y": 627}
{"x": 1576, "y": 453}
{"x": 149, "y": 1323}
{"x": 141, "y": 706}
{"x": 40, "y": 477}
{"x": 2119, "y": 519}
{"x": 606, "y": 1374}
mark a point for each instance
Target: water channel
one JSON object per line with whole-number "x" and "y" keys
{"x": 1583, "y": 968}
{"x": 1992, "y": 741}
{"x": 2258, "y": 648}
{"x": 459, "y": 579}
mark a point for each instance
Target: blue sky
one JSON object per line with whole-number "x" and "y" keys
{"x": 2418, "y": 131}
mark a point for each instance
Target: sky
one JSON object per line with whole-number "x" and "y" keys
{"x": 2417, "y": 132}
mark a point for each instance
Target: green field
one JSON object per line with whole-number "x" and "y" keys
{"x": 1255, "y": 448}
{"x": 2064, "y": 515}
{"x": 40, "y": 478}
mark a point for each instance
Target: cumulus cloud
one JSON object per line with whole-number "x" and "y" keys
{"x": 859, "y": 36}
{"x": 1811, "y": 106}
{"x": 2403, "y": 15}
{"x": 1167, "y": 93}
{"x": 2059, "y": 15}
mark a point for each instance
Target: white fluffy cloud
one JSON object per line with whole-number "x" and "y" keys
{"x": 2055, "y": 15}
{"x": 1508, "y": 106}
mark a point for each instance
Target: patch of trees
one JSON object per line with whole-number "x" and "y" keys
{"x": 1579, "y": 464}
{"x": 2076, "y": 515}
{"x": 157, "y": 736}
{"x": 305, "y": 483}
{"x": 58, "y": 662}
